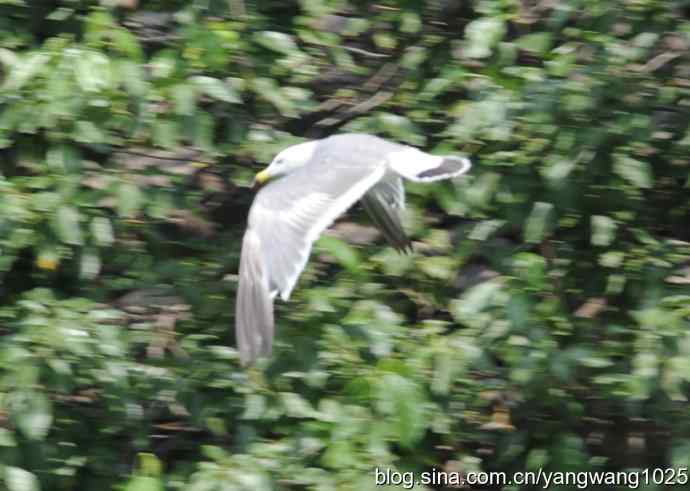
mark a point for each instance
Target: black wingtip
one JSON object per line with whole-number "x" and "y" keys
{"x": 403, "y": 247}
{"x": 450, "y": 167}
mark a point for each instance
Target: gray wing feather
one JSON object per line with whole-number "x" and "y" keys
{"x": 254, "y": 308}
{"x": 384, "y": 203}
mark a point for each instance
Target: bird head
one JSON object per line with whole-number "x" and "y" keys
{"x": 287, "y": 161}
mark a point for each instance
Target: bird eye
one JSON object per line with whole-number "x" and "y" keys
{"x": 279, "y": 161}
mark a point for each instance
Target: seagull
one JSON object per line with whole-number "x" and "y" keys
{"x": 307, "y": 186}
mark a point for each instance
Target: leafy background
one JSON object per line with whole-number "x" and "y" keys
{"x": 542, "y": 321}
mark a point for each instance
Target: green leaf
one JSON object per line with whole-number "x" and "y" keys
{"x": 92, "y": 70}
{"x": 410, "y": 22}
{"x": 434, "y": 87}
{"x": 537, "y": 459}
{"x": 385, "y": 40}
{"x": 102, "y": 231}
{"x": 537, "y": 222}
{"x": 296, "y": 406}
{"x": 45, "y": 201}
{"x": 475, "y": 300}
{"x": 646, "y": 39}
{"x": 603, "y": 230}
{"x": 34, "y": 414}
{"x": 90, "y": 264}
{"x": 129, "y": 200}
{"x": 166, "y": 133}
{"x": 447, "y": 365}
{"x": 149, "y": 464}
{"x": 402, "y": 400}
{"x": 564, "y": 61}
{"x": 25, "y": 69}
{"x": 401, "y": 128}
{"x": 680, "y": 455}
{"x": 340, "y": 454}
{"x": 537, "y": 42}
{"x": 518, "y": 310}
{"x": 63, "y": 158}
{"x": 18, "y": 479}
{"x": 144, "y": 483}
{"x": 254, "y": 406}
{"x": 60, "y": 14}
{"x": 558, "y": 168}
{"x": 88, "y": 132}
{"x": 413, "y": 57}
{"x": 203, "y": 131}
{"x": 132, "y": 76}
{"x": 163, "y": 64}
{"x": 636, "y": 172}
{"x": 482, "y": 35}
{"x": 483, "y": 189}
{"x": 216, "y": 88}
{"x": 184, "y": 96}
{"x": 276, "y": 41}
{"x": 344, "y": 253}
{"x": 7, "y": 438}
{"x": 531, "y": 268}
{"x": 126, "y": 43}
{"x": 68, "y": 227}
{"x": 392, "y": 262}
{"x": 8, "y": 58}
{"x": 439, "y": 267}
{"x": 269, "y": 90}
{"x": 485, "y": 229}
{"x": 646, "y": 365}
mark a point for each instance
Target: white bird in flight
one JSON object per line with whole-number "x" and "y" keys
{"x": 311, "y": 184}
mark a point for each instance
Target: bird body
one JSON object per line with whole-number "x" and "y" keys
{"x": 311, "y": 184}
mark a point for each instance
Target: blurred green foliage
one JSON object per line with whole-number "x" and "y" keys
{"x": 543, "y": 321}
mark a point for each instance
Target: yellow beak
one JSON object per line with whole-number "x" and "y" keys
{"x": 261, "y": 177}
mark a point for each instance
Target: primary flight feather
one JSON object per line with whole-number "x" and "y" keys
{"x": 309, "y": 186}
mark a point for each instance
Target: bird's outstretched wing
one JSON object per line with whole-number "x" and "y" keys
{"x": 287, "y": 216}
